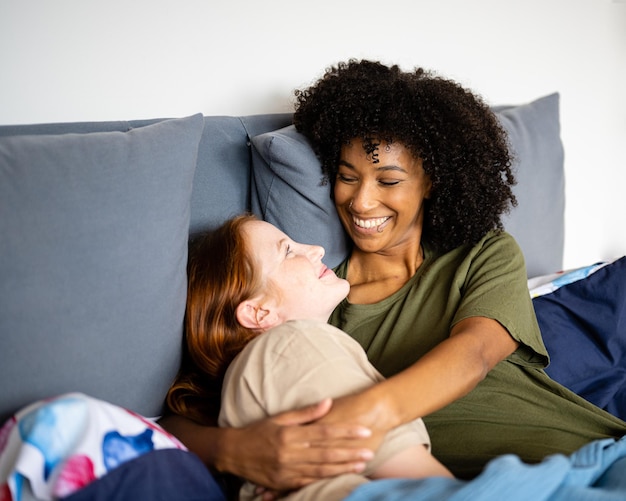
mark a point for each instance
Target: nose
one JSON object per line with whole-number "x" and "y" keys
{"x": 315, "y": 252}
{"x": 363, "y": 198}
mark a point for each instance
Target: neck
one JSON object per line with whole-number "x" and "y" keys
{"x": 400, "y": 264}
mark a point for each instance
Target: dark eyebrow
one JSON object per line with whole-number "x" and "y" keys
{"x": 347, "y": 164}
{"x": 381, "y": 168}
{"x": 391, "y": 167}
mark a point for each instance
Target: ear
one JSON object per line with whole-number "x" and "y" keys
{"x": 254, "y": 315}
{"x": 429, "y": 189}
{"x": 426, "y": 180}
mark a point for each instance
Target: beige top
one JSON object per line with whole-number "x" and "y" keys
{"x": 299, "y": 363}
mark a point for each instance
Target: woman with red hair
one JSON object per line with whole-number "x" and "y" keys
{"x": 257, "y": 336}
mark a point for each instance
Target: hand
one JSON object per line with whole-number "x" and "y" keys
{"x": 369, "y": 409}
{"x": 281, "y": 454}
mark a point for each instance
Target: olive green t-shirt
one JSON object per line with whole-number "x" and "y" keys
{"x": 517, "y": 408}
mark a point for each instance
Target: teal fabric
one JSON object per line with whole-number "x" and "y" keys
{"x": 595, "y": 472}
{"x": 93, "y": 257}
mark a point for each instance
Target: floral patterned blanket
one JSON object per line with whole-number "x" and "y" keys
{"x": 63, "y": 444}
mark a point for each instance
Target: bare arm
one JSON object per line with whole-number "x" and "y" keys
{"x": 281, "y": 454}
{"x": 277, "y": 453}
{"x": 449, "y": 371}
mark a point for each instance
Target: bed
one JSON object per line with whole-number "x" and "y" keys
{"x": 95, "y": 219}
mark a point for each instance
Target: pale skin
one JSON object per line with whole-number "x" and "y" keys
{"x": 278, "y": 452}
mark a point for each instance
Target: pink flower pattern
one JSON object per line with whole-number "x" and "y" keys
{"x": 77, "y": 472}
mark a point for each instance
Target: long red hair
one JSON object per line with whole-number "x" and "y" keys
{"x": 221, "y": 274}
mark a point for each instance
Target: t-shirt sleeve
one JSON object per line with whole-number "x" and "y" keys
{"x": 496, "y": 287}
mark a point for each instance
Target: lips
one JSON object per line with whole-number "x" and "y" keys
{"x": 368, "y": 224}
{"x": 323, "y": 272}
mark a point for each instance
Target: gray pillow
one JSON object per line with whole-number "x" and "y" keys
{"x": 93, "y": 262}
{"x": 287, "y": 190}
{"x": 538, "y": 221}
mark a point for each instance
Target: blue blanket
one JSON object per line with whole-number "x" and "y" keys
{"x": 583, "y": 325}
{"x": 595, "y": 472}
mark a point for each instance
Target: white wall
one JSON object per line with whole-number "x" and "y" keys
{"x": 68, "y": 60}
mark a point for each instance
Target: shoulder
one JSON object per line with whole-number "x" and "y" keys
{"x": 497, "y": 244}
{"x": 497, "y": 250}
{"x": 499, "y": 241}
{"x": 493, "y": 242}
{"x": 495, "y": 259}
{"x": 296, "y": 338}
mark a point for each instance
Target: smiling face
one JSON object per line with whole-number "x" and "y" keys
{"x": 380, "y": 195}
{"x": 298, "y": 284}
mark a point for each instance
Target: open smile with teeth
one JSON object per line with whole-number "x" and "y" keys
{"x": 369, "y": 223}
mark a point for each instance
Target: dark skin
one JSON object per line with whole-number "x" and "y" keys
{"x": 420, "y": 159}
{"x": 389, "y": 191}
{"x": 280, "y": 452}
{"x": 284, "y": 452}
{"x": 462, "y": 146}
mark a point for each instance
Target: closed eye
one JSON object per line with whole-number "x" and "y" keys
{"x": 346, "y": 179}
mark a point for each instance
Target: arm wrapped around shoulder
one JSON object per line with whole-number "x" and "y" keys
{"x": 299, "y": 363}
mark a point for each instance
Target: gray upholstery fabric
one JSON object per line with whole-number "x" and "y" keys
{"x": 538, "y": 221}
{"x": 222, "y": 182}
{"x": 221, "y": 186}
{"x": 93, "y": 255}
{"x": 287, "y": 191}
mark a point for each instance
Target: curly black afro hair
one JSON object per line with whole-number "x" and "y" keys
{"x": 463, "y": 147}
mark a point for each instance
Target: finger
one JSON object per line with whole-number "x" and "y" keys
{"x": 316, "y": 457}
{"x": 304, "y": 415}
{"x": 314, "y": 473}
{"x": 270, "y": 495}
{"x": 325, "y": 436}
{"x": 266, "y": 494}
{"x": 311, "y": 413}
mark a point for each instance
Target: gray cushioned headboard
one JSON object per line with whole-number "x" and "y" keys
{"x": 92, "y": 275}
{"x": 222, "y": 181}
{"x": 94, "y": 220}
{"x": 221, "y": 186}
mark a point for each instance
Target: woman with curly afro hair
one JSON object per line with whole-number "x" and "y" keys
{"x": 420, "y": 173}
{"x": 461, "y": 144}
